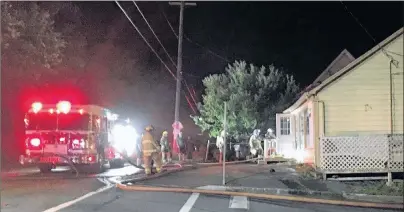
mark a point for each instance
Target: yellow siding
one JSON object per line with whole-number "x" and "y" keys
{"x": 359, "y": 102}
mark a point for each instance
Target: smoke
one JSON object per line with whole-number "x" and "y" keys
{"x": 107, "y": 63}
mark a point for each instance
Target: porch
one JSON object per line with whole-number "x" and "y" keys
{"x": 295, "y": 134}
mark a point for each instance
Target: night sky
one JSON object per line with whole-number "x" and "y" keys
{"x": 301, "y": 37}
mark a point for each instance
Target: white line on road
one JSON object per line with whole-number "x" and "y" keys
{"x": 190, "y": 202}
{"x": 69, "y": 203}
{"x": 240, "y": 202}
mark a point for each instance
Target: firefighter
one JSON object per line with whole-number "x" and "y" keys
{"x": 270, "y": 143}
{"x": 138, "y": 149}
{"x": 220, "y": 144}
{"x": 255, "y": 144}
{"x": 151, "y": 151}
{"x": 165, "y": 147}
{"x": 190, "y": 148}
{"x": 181, "y": 147}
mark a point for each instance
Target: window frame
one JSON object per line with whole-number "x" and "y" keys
{"x": 285, "y": 126}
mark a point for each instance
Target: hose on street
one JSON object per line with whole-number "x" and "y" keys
{"x": 262, "y": 196}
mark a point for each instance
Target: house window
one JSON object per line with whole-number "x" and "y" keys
{"x": 285, "y": 126}
{"x": 307, "y": 123}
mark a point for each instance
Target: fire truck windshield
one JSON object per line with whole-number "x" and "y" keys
{"x": 48, "y": 121}
{"x": 73, "y": 121}
{"x": 41, "y": 121}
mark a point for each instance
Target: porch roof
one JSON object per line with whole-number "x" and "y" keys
{"x": 314, "y": 89}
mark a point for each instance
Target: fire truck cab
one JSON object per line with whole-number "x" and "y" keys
{"x": 66, "y": 134}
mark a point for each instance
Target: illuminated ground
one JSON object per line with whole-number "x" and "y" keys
{"x": 28, "y": 190}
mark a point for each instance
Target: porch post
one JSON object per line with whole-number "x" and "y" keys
{"x": 316, "y": 133}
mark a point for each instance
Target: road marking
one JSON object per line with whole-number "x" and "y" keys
{"x": 72, "y": 202}
{"x": 239, "y": 202}
{"x": 190, "y": 202}
{"x": 104, "y": 181}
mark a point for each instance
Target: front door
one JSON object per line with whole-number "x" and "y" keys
{"x": 285, "y": 133}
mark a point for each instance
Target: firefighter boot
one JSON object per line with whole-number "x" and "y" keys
{"x": 169, "y": 157}
{"x": 157, "y": 161}
{"x": 147, "y": 164}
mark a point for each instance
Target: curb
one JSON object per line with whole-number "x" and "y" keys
{"x": 164, "y": 173}
{"x": 276, "y": 191}
{"x": 261, "y": 196}
{"x": 227, "y": 163}
{"x": 374, "y": 198}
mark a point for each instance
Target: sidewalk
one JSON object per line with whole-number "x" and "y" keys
{"x": 248, "y": 175}
{"x": 259, "y": 179}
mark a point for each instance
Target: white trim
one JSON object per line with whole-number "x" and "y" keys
{"x": 303, "y": 98}
{"x": 337, "y": 59}
{"x": 356, "y": 62}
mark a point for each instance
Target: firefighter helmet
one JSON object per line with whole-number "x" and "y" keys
{"x": 149, "y": 128}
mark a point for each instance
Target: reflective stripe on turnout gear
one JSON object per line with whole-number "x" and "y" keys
{"x": 149, "y": 146}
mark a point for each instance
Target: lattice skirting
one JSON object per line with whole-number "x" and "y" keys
{"x": 362, "y": 154}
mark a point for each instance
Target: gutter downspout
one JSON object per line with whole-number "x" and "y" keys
{"x": 391, "y": 98}
{"x": 323, "y": 104}
{"x": 389, "y": 174}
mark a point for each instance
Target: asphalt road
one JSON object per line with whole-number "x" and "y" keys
{"x": 28, "y": 190}
{"x": 118, "y": 200}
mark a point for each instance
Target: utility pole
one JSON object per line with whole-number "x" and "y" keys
{"x": 182, "y": 5}
{"x": 177, "y": 126}
{"x": 224, "y": 143}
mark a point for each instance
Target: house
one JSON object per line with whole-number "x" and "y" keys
{"x": 352, "y": 112}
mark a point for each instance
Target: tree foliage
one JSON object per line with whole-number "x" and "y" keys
{"x": 28, "y": 36}
{"x": 253, "y": 94}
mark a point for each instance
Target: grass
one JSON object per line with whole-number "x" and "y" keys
{"x": 378, "y": 188}
{"x": 306, "y": 171}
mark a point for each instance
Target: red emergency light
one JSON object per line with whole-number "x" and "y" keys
{"x": 64, "y": 106}
{"x": 36, "y": 107}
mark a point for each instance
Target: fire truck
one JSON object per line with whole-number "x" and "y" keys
{"x": 66, "y": 134}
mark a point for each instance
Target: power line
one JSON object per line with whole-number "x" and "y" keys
{"x": 367, "y": 32}
{"x": 189, "y": 91}
{"x": 145, "y": 40}
{"x": 191, "y": 41}
{"x": 165, "y": 50}
{"x": 144, "y": 18}
{"x": 148, "y": 44}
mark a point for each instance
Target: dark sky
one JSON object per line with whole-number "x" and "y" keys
{"x": 301, "y": 37}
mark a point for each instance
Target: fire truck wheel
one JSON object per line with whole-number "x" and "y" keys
{"x": 45, "y": 168}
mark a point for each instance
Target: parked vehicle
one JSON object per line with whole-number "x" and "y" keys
{"x": 62, "y": 134}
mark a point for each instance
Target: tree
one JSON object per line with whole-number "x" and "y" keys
{"x": 254, "y": 95}
{"x": 28, "y": 37}
{"x": 33, "y": 50}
